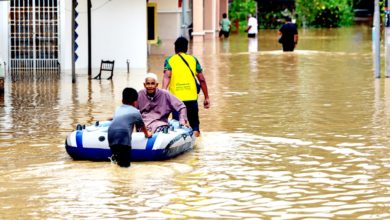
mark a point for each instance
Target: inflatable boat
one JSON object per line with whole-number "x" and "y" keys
{"x": 90, "y": 143}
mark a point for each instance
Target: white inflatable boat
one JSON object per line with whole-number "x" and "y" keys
{"x": 90, "y": 143}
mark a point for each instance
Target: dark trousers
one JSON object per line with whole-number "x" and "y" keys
{"x": 288, "y": 46}
{"x": 121, "y": 154}
{"x": 224, "y": 33}
{"x": 192, "y": 114}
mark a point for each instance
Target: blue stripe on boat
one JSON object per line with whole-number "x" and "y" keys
{"x": 150, "y": 143}
{"x": 79, "y": 139}
{"x": 93, "y": 154}
{"x": 97, "y": 154}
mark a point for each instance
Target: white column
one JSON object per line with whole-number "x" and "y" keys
{"x": 214, "y": 14}
{"x": 197, "y": 16}
{"x": 376, "y": 41}
{"x": 4, "y": 31}
{"x": 210, "y": 17}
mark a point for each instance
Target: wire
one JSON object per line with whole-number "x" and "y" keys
{"x": 93, "y": 9}
{"x": 101, "y": 6}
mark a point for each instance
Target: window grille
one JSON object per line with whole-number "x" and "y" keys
{"x": 34, "y": 37}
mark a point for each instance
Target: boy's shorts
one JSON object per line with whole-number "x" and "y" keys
{"x": 121, "y": 154}
{"x": 224, "y": 33}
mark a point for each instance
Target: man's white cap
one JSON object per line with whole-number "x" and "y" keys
{"x": 151, "y": 75}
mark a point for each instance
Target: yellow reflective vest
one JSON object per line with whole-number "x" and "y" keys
{"x": 182, "y": 83}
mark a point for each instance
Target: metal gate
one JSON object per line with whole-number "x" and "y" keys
{"x": 34, "y": 37}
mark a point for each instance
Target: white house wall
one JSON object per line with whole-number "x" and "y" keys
{"x": 119, "y": 32}
{"x": 169, "y": 18}
{"x": 168, "y": 25}
{"x": 4, "y": 33}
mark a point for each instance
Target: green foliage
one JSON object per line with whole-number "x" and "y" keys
{"x": 311, "y": 13}
{"x": 270, "y": 19}
{"x": 274, "y": 18}
{"x": 239, "y": 10}
{"x": 324, "y": 13}
{"x": 273, "y": 15}
{"x": 159, "y": 41}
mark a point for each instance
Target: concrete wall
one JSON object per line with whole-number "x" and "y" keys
{"x": 118, "y": 33}
{"x": 4, "y": 33}
{"x": 168, "y": 25}
{"x": 170, "y": 18}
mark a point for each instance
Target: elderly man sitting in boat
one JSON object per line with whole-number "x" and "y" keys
{"x": 156, "y": 104}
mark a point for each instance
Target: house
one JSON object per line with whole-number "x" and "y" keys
{"x": 38, "y": 34}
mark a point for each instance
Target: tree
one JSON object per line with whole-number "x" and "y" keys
{"x": 239, "y": 10}
{"x": 324, "y": 13}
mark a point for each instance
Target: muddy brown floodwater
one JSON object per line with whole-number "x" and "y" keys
{"x": 302, "y": 135}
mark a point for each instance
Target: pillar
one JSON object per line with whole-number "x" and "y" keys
{"x": 198, "y": 29}
{"x": 210, "y": 17}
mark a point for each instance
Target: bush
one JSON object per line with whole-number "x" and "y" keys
{"x": 239, "y": 10}
{"x": 324, "y": 13}
{"x": 270, "y": 20}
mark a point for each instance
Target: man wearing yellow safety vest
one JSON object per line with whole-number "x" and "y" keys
{"x": 182, "y": 72}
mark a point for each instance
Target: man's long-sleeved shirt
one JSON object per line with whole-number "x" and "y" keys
{"x": 156, "y": 109}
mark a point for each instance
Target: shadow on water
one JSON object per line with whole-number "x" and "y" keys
{"x": 289, "y": 136}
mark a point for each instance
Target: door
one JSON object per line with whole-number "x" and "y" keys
{"x": 34, "y": 36}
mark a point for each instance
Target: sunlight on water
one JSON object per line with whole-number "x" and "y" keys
{"x": 300, "y": 135}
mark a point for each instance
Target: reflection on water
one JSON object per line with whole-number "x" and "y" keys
{"x": 252, "y": 44}
{"x": 289, "y": 136}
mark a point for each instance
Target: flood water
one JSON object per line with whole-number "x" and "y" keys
{"x": 302, "y": 135}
